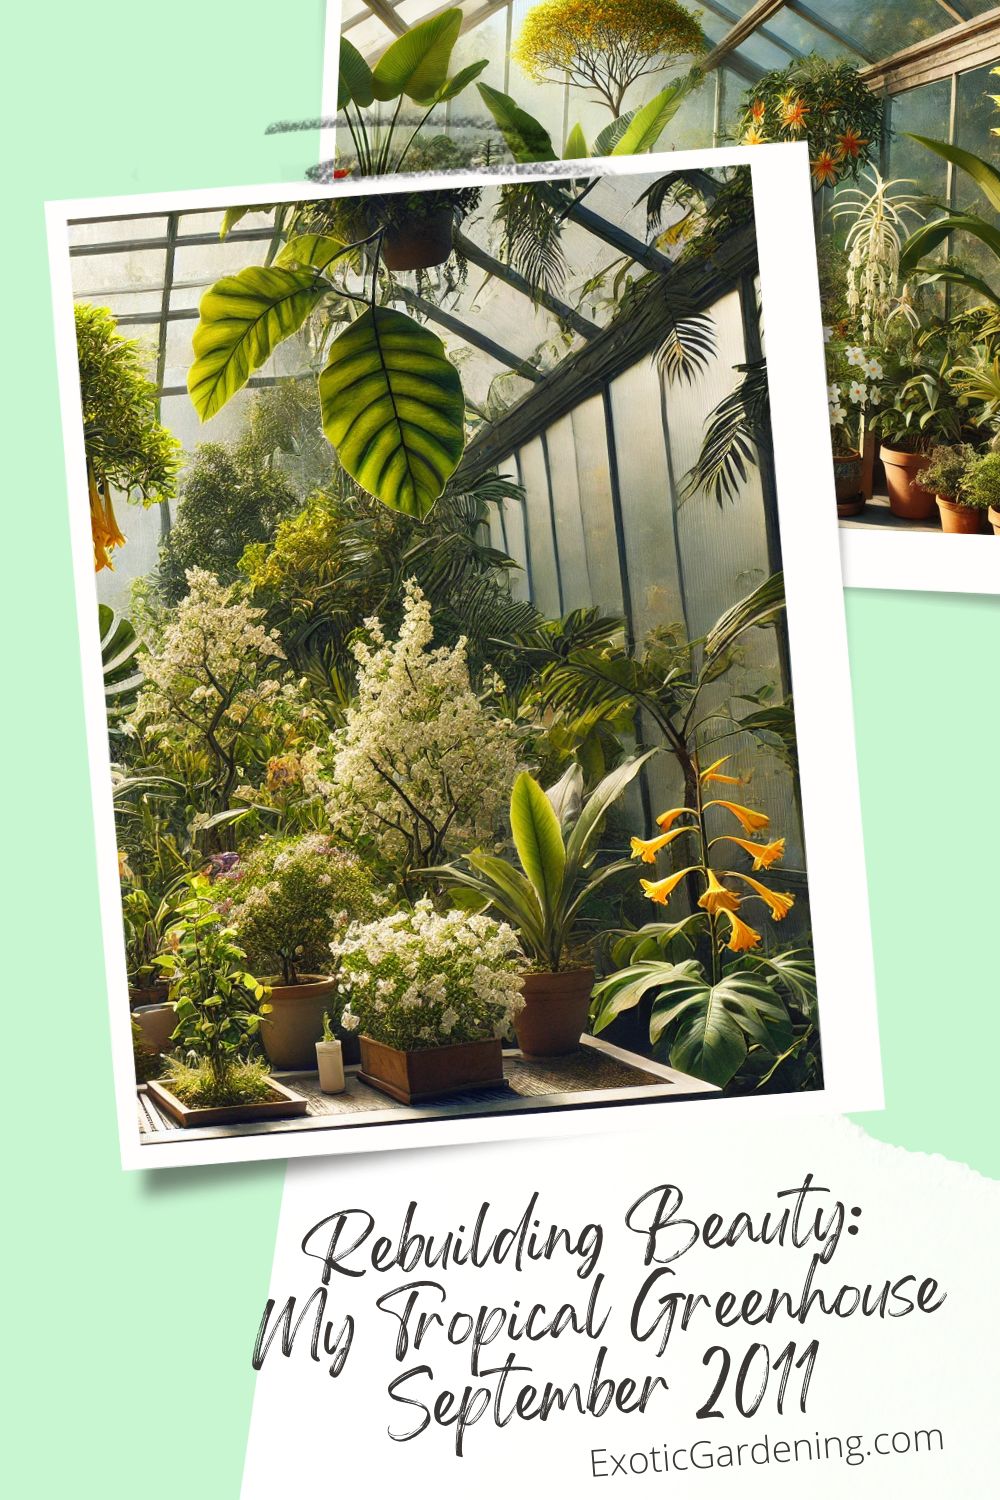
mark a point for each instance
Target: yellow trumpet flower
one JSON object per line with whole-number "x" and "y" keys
{"x": 751, "y": 820}
{"x": 780, "y": 902}
{"x": 668, "y": 819}
{"x": 763, "y": 855}
{"x": 718, "y": 897}
{"x": 741, "y": 935}
{"x": 712, "y": 774}
{"x": 647, "y": 849}
{"x": 659, "y": 890}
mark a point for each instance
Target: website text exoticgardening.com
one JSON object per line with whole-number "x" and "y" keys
{"x": 704, "y": 1454}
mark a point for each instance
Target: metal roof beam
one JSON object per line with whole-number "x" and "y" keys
{"x": 619, "y": 238}
{"x": 732, "y": 16}
{"x": 471, "y": 336}
{"x": 494, "y": 267}
{"x": 164, "y": 242}
{"x": 759, "y": 12}
{"x": 834, "y": 32}
{"x": 387, "y": 15}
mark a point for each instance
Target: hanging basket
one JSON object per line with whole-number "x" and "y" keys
{"x": 419, "y": 243}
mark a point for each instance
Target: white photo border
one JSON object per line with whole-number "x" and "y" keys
{"x": 831, "y": 809}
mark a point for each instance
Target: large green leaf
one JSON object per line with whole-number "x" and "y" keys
{"x": 242, "y": 318}
{"x": 760, "y": 607}
{"x": 576, "y": 148}
{"x": 649, "y": 122}
{"x": 315, "y": 250}
{"x": 354, "y": 84}
{"x": 925, "y": 240}
{"x": 624, "y": 990}
{"x": 984, "y": 173}
{"x": 452, "y": 87}
{"x": 416, "y": 64}
{"x": 566, "y": 796}
{"x": 538, "y": 841}
{"x": 393, "y": 409}
{"x": 587, "y": 826}
{"x": 119, "y": 660}
{"x": 710, "y": 1025}
{"x": 527, "y": 139}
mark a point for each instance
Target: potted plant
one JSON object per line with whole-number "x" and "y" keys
{"x": 853, "y": 395}
{"x": 213, "y": 1078}
{"x": 543, "y": 896}
{"x": 432, "y": 995}
{"x": 827, "y": 104}
{"x": 145, "y": 923}
{"x": 414, "y": 230}
{"x": 945, "y": 474}
{"x": 982, "y": 488}
{"x": 330, "y": 1060}
{"x": 922, "y": 412}
{"x": 287, "y": 899}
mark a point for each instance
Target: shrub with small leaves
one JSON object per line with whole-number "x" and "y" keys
{"x": 947, "y": 471}
{"x": 982, "y": 483}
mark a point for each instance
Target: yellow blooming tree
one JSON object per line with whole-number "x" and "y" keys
{"x": 605, "y": 46}
{"x": 709, "y": 1009}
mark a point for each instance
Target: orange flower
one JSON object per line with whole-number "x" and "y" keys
{"x": 793, "y": 112}
{"x": 648, "y": 849}
{"x": 751, "y": 820}
{"x": 741, "y": 935}
{"x": 850, "y": 144}
{"x": 825, "y": 169}
{"x": 780, "y": 902}
{"x": 763, "y": 855}
{"x": 754, "y": 136}
{"x": 668, "y": 819}
{"x": 712, "y": 774}
{"x": 659, "y": 890}
{"x": 718, "y": 897}
{"x": 758, "y": 110}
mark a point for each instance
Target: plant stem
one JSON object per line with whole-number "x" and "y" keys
{"x": 703, "y": 839}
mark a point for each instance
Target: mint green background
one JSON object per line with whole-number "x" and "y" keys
{"x": 131, "y": 1301}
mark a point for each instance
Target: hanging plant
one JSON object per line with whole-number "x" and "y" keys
{"x": 826, "y": 104}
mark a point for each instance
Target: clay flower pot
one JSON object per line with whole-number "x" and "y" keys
{"x": 848, "y": 477}
{"x": 555, "y": 1012}
{"x": 420, "y": 244}
{"x": 958, "y": 519}
{"x": 157, "y": 1023}
{"x": 908, "y": 498}
{"x": 994, "y": 516}
{"x": 295, "y": 1024}
{"x": 426, "y": 1073}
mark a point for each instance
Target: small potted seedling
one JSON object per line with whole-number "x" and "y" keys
{"x": 330, "y": 1060}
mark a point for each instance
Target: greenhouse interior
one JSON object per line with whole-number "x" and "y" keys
{"x": 450, "y": 719}
{"x": 915, "y": 376}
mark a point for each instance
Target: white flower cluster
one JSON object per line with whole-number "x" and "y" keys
{"x": 422, "y": 764}
{"x": 420, "y": 978}
{"x": 859, "y": 393}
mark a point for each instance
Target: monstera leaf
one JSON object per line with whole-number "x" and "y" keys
{"x": 242, "y": 318}
{"x": 393, "y": 409}
{"x": 711, "y": 1026}
{"x": 416, "y": 64}
{"x": 119, "y": 661}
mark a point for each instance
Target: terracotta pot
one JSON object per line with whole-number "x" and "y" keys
{"x": 960, "y": 520}
{"x": 290, "y": 1033}
{"x": 330, "y": 1065}
{"x": 848, "y": 478}
{"x": 908, "y": 498}
{"x": 156, "y": 1022}
{"x": 430, "y": 1072}
{"x": 555, "y": 1012}
{"x": 994, "y": 516}
{"x": 417, "y": 245}
{"x": 148, "y": 994}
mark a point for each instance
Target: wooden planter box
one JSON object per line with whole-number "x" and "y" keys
{"x": 284, "y": 1104}
{"x": 431, "y": 1072}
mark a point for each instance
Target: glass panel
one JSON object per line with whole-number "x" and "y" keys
{"x": 975, "y": 117}
{"x": 881, "y": 30}
{"x": 597, "y": 507}
{"x": 921, "y": 111}
{"x": 567, "y": 514}
{"x": 114, "y": 231}
{"x": 100, "y": 275}
{"x": 545, "y": 590}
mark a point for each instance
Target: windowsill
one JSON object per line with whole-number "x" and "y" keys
{"x": 877, "y": 514}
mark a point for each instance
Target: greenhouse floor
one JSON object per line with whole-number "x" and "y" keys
{"x": 599, "y": 1073}
{"x": 877, "y": 513}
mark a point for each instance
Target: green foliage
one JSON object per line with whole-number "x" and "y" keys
{"x": 147, "y": 1064}
{"x": 119, "y": 661}
{"x": 924, "y": 241}
{"x": 982, "y": 483}
{"x": 218, "y": 1003}
{"x": 196, "y": 1085}
{"x": 922, "y": 407}
{"x": 146, "y": 922}
{"x": 827, "y": 104}
{"x": 946, "y": 472}
{"x": 734, "y": 431}
{"x": 231, "y": 496}
{"x": 544, "y": 896}
{"x": 287, "y": 899}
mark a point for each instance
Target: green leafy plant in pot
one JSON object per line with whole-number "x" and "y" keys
{"x": 981, "y": 488}
{"x": 946, "y": 474}
{"x": 544, "y": 894}
{"x": 921, "y": 411}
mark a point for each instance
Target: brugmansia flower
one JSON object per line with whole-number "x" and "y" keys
{"x": 825, "y": 169}
{"x": 104, "y": 527}
{"x": 751, "y": 820}
{"x": 647, "y": 849}
{"x": 763, "y": 855}
{"x": 718, "y": 897}
{"x": 659, "y": 890}
{"x": 779, "y": 902}
{"x": 667, "y": 819}
{"x": 713, "y": 773}
{"x": 741, "y": 934}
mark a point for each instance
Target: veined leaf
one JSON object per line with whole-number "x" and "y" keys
{"x": 242, "y": 318}
{"x": 566, "y": 796}
{"x": 924, "y": 241}
{"x": 538, "y": 841}
{"x": 712, "y": 1023}
{"x": 607, "y": 139}
{"x": 526, "y": 137}
{"x": 393, "y": 409}
{"x": 983, "y": 173}
{"x": 575, "y": 148}
{"x": 585, "y": 830}
{"x": 354, "y": 83}
{"x": 416, "y": 64}
{"x": 760, "y": 607}
{"x": 649, "y": 122}
{"x": 452, "y": 87}
{"x": 315, "y": 250}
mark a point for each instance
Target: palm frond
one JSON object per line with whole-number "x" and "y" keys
{"x": 530, "y": 217}
{"x": 732, "y": 436}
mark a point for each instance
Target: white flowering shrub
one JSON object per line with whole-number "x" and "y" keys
{"x": 289, "y": 898}
{"x": 421, "y": 979}
{"x": 422, "y": 764}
